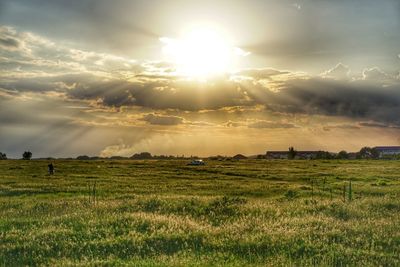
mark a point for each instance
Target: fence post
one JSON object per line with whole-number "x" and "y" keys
{"x": 350, "y": 192}
{"x": 312, "y": 189}
{"x": 344, "y": 193}
{"x": 89, "y": 193}
{"x": 94, "y": 193}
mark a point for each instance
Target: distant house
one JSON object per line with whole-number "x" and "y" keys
{"x": 387, "y": 150}
{"x": 239, "y": 156}
{"x": 277, "y": 155}
{"x": 352, "y": 155}
{"x": 299, "y": 154}
{"x": 307, "y": 154}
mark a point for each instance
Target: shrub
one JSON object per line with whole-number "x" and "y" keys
{"x": 3, "y": 156}
{"x": 292, "y": 153}
{"x": 290, "y": 194}
{"x": 27, "y": 155}
{"x": 342, "y": 155}
{"x": 83, "y": 157}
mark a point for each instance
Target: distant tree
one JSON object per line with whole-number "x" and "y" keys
{"x": 368, "y": 153}
{"x": 342, "y": 155}
{"x": 375, "y": 153}
{"x": 292, "y": 153}
{"x": 3, "y": 156}
{"x": 83, "y": 157}
{"x": 118, "y": 157}
{"x": 323, "y": 155}
{"x": 27, "y": 155}
{"x": 142, "y": 155}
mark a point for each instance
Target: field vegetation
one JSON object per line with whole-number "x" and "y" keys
{"x": 233, "y": 213}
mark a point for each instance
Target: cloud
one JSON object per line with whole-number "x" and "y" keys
{"x": 357, "y": 99}
{"x": 163, "y": 94}
{"x": 340, "y": 72}
{"x": 378, "y": 125}
{"x": 376, "y": 75}
{"x": 259, "y": 124}
{"x": 341, "y": 126}
{"x": 8, "y": 39}
{"x": 30, "y": 55}
{"x": 92, "y": 24}
{"x": 260, "y": 74}
{"x": 162, "y": 119}
{"x": 105, "y": 80}
{"x": 9, "y": 43}
{"x": 234, "y": 124}
{"x": 297, "y": 6}
{"x": 41, "y": 66}
{"x": 270, "y": 125}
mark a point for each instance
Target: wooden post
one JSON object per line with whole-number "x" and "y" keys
{"x": 89, "y": 193}
{"x": 312, "y": 190}
{"x": 94, "y": 193}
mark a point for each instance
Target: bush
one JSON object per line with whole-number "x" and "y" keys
{"x": 223, "y": 209}
{"x": 290, "y": 194}
{"x": 27, "y": 155}
{"x": 342, "y": 155}
{"x": 292, "y": 153}
{"x": 142, "y": 155}
{"x": 83, "y": 157}
{"x": 3, "y": 156}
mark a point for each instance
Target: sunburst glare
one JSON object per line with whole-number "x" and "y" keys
{"x": 202, "y": 52}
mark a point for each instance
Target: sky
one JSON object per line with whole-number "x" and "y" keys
{"x": 183, "y": 77}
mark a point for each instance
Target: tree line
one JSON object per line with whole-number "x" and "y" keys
{"x": 27, "y": 155}
{"x": 364, "y": 153}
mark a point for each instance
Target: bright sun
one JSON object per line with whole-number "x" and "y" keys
{"x": 201, "y": 52}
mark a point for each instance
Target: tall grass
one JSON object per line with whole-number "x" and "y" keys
{"x": 164, "y": 213}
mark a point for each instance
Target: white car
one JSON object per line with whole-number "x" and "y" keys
{"x": 197, "y": 162}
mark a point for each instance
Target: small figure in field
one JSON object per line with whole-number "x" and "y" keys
{"x": 51, "y": 168}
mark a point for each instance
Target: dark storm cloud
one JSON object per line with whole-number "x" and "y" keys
{"x": 164, "y": 94}
{"x": 157, "y": 94}
{"x": 355, "y": 100}
{"x": 9, "y": 42}
{"x": 352, "y": 99}
{"x": 358, "y": 99}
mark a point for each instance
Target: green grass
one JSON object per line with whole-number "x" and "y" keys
{"x": 234, "y": 213}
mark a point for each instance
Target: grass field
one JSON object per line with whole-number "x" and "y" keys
{"x": 234, "y": 213}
